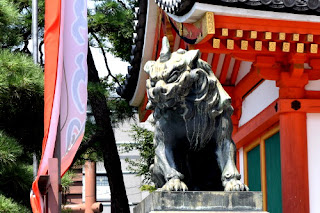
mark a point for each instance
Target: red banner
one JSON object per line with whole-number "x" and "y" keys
{"x": 65, "y": 95}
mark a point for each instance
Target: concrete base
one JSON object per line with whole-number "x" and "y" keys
{"x": 174, "y": 202}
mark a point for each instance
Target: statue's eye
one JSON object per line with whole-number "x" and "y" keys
{"x": 153, "y": 83}
{"x": 173, "y": 76}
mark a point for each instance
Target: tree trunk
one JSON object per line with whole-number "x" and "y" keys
{"x": 101, "y": 112}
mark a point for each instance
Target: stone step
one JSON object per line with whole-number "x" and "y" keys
{"x": 167, "y": 202}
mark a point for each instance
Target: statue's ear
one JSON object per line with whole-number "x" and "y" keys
{"x": 148, "y": 66}
{"x": 192, "y": 57}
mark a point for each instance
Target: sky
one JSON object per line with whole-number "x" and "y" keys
{"x": 116, "y": 65}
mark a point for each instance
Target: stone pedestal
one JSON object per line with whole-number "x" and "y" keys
{"x": 174, "y": 202}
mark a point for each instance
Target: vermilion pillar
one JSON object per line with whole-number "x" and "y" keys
{"x": 294, "y": 162}
{"x": 90, "y": 183}
{"x": 293, "y": 145}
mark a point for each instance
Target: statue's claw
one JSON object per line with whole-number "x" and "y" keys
{"x": 175, "y": 184}
{"x": 235, "y": 185}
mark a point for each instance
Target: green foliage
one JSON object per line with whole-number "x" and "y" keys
{"x": 15, "y": 182}
{"x": 149, "y": 188}
{"x": 66, "y": 181}
{"x": 10, "y": 150}
{"x": 21, "y": 100}
{"x": 113, "y": 22}
{"x": 21, "y": 117}
{"x": 143, "y": 142}
{"x": 119, "y": 108}
{"x": 18, "y": 70}
{"x": 68, "y": 210}
{"x": 7, "y": 205}
{"x": 9, "y": 18}
{"x": 15, "y": 176}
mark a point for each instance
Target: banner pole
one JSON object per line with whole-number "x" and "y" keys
{"x": 35, "y": 30}
{"x": 54, "y": 171}
{"x": 57, "y": 154}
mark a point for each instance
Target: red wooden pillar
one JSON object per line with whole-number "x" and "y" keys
{"x": 293, "y": 145}
{"x": 90, "y": 183}
{"x": 294, "y": 162}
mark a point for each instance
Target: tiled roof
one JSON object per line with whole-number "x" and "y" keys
{"x": 130, "y": 83}
{"x": 180, "y": 7}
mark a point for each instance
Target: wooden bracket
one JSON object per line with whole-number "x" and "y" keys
{"x": 267, "y": 67}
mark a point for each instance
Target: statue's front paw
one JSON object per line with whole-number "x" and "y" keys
{"x": 175, "y": 184}
{"x": 235, "y": 185}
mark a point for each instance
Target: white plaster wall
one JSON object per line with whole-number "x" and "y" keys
{"x": 258, "y": 100}
{"x": 313, "y": 86}
{"x": 241, "y": 164}
{"x": 244, "y": 69}
{"x": 313, "y": 127}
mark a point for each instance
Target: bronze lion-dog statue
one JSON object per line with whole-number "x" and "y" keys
{"x": 193, "y": 145}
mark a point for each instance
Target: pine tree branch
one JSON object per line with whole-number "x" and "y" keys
{"x": 122, "y": 4}
{"x": 105, "y": 60}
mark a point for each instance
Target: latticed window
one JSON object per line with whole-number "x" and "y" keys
{"x": 263, "y": 169}
{"x": 102, "y": 180}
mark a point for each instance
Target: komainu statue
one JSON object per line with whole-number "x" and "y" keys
{"x": 194, "y": 148}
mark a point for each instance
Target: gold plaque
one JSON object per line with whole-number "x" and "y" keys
{"x": 295, "y": 37}
{"x": 268, "y": 35}
{"x": 230, "y": 44}
{"x": 272, "y": 46}
{"x": 239, "y": 33}
{"x": 244, "y": 45}
{"x": 314, "y": 48}
{"x": 300, "y": 47}
{"x": 258, "y": 45}
{"x": 309, "y": 38}
{"x": 224, "y": 32}
{"x": 286, "y": 47}
{"x": 282, "y": 36}
{"x": 253, "y": 34}
{"x": 210, "y": 22}
{"x": 216, "y": 43}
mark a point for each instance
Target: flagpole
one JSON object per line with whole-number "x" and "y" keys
{"x": 34, "y": 30}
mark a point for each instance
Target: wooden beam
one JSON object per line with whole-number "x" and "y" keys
{"x": 312, "y": 94}
{"x": 299, "y": 105}
{"x": 247, "y": 83}
{"x": 260, "y": 123}
{"x": 263, "y": 25}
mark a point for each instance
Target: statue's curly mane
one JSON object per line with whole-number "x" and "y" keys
{"x": 207, "y": 101}
{"x": 196, "y": 91}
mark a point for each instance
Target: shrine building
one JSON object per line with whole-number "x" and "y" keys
{"x": 266, "y": 55}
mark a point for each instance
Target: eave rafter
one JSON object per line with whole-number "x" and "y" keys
{"x": 227, "y": 34}
{"x": 274, "y": 47}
